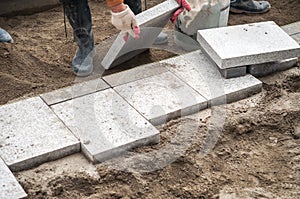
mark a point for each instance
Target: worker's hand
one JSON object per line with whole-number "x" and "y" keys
{"x": 184, "y": 5}
{"x": 125, "y": 21}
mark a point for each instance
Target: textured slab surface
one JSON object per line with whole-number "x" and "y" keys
{"x": 260, "y": 70}
{"x": 74, "y": 91}
{"x": 296, "y": 37}
{"x": 247, "y": 44}
{"x": 293, "y": 28}
{"x": 134, "y": 74}
{"x": 105, "y": 124}
{"x": 31, "y": 134}
{"x": 202, "y": 75}
{"x": 162, "y": 97}
{"x": 9, "y": 186}
{"x": 157, "y": 16}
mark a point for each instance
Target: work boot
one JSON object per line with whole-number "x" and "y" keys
{"x": 249, "y": 6}
{"x": 162, "y": 38}
{"x": 79, "y": 15}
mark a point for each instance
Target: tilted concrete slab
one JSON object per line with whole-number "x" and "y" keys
{"x": 260, "y": 70}
{"x": 202, "y": 75}
{"x": 74, "y": 91}
{"x": 157, "y": 16}
{"x": 134, "y": 74}
{"x": 106, "y": 124}
{"x": 247, "y": 44}
{"x": 9, "y": 186}
{"x": 162, "y": 97}
{"x": 291, "y": 29}
{"x": 31, "y": 134}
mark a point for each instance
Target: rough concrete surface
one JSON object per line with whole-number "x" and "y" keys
{"x": 31, "y": 134}
{"x": 162, "y": 97}
{"x": 9, "y": 186}
{"x": 105, "y": 124}
{"x": 134, "y": 74}
{"x": 74, "y": 91}
{"x": 202, "y": 75}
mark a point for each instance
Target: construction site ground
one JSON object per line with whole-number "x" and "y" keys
{"x": 257, "y": 155}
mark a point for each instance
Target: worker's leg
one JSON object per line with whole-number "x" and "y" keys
{"x": 79, "y": 15}
{"x": 134, "y": 5}
{"x": 249, "y": 6}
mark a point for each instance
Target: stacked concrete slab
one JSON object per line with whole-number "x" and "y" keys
{"x": 236, "y": 47}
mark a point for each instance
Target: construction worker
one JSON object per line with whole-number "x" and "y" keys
{"x": 123, "y": 18}
{"x": 249, "y": 6}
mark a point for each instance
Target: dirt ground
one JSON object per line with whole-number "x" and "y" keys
{"x": 40, "y": 58}
{"x": 257, "y": 154}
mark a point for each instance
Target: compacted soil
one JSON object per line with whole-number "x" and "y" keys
{"x": 247, "y": 149}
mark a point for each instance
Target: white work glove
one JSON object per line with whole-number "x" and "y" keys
{"x": 126, "y": 22}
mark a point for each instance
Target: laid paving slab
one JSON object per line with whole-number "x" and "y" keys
{"x": 31, "y": 134}
{"x": 151, "y": 22}
{"x": 134, "y": 74}
{"x": 106, "y": 124}
{"x": 260, "y": 70}
{"x": 296, "y": 37}
{"x": 293, "y": 28}
{"x": 202, "y": 75}
{"x": 9, "y": 186}
{"x": 247, "y": 44}
{"x": 74, "y": 91}
{"x": 162, "y": 97}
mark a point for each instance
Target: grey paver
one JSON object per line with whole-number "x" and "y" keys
{"x": 31, "y": 134}
{"x": 74, "y": 91}
{"x": 296, "y": 37}
{"x": 202, "y": 75}
{"x": 134, "y": 74}
{"x": 105, "y": 124}
{"x": 293, "y": 28}
{"x": 9, "y": 186}
{"x": 260, "y": 70}
{"x": 157, "y": 16}
{"x": 162, "y": 97}
{"x": 233, "y": 72}
{"x": 247, "y": 44}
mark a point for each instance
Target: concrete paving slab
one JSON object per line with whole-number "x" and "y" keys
{"x": 247, "y": 44}
{"x": 31, "y": 134}
{"x": 296, "y": 37}
{"x": 162, "y": 97}
{"x": 74, "y": 91}
{"x": 106, "y": 124}
{"x": 233, "y": 72}
{"x": 202, "y": 75}
{"x": 9, "y": 186}
{"x": 260, "y": 70}
{"x": 157, "y": 16}
{"x": 291, "y": 29}
{"x": 134, "y": 74}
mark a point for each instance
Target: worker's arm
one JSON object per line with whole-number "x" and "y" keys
{"x": 123, "y": 18}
